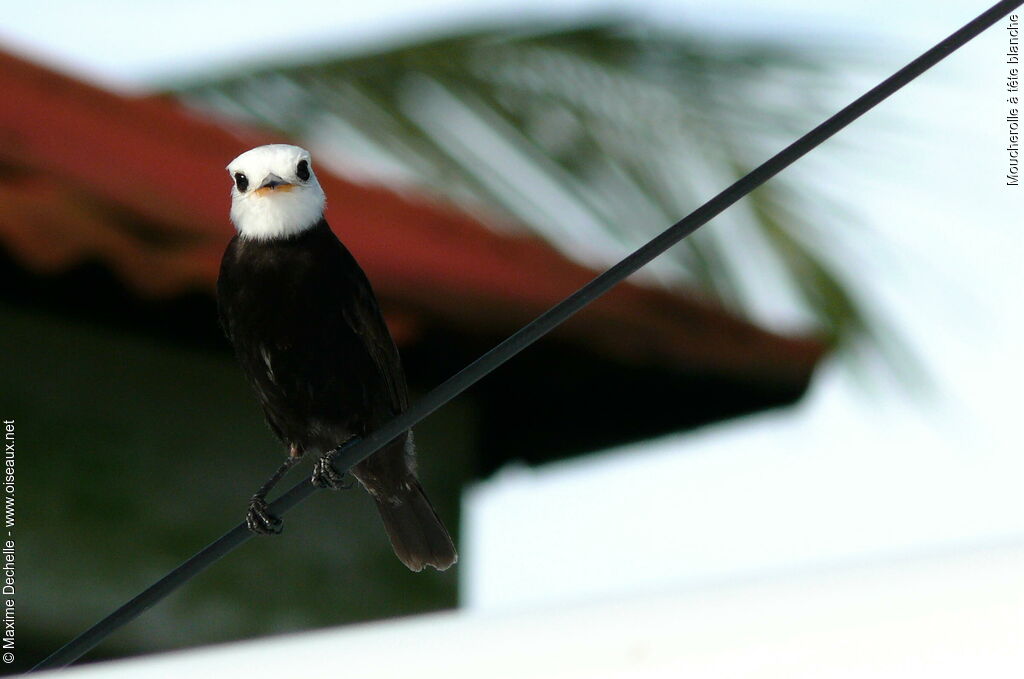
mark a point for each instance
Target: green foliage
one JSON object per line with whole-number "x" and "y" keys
{"x": 138, "y": 453}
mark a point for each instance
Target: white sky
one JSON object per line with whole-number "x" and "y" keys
{"x": 853, "y": 473}
{"x": 126, "y": 42}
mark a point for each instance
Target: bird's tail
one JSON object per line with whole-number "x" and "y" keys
{"x": 417, "y": 534}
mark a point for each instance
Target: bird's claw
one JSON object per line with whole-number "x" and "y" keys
{"x": 260, "y": 520}
{"x": 326, "y": 476}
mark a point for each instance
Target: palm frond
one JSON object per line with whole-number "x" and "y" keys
{"x": 595, "y": 137}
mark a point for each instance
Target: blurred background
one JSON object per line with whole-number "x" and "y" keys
{"x": 819, "y": 380}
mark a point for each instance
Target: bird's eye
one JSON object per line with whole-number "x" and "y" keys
{"x": 241, "y": 181}
{"x": 303, "y": 170}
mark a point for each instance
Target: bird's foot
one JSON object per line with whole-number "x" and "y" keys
{"x": 260, "y": 520}
{"x": 326, "y": 476}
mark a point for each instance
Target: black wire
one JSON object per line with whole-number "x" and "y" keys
{"x": 543, "y": 324}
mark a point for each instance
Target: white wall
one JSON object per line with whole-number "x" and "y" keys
{"x": 949, "y": 617}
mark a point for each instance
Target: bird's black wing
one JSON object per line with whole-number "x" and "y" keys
{"x": 362, "y": 314}
{"x": 223, "y": 298}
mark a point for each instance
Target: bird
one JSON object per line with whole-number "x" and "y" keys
{"x": 308, "y": 332}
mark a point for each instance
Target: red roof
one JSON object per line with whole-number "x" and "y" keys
{"x": 139, "y": 185}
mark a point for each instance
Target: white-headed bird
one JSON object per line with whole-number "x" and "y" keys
{"x": 310, "y": 337}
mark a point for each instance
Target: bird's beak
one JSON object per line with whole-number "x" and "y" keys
{"x": 273, "y": 183}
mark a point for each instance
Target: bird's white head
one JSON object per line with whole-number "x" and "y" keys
{"x": 275, "y": 193}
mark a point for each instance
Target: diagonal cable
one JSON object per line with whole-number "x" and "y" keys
{"x": 543, "y": 324}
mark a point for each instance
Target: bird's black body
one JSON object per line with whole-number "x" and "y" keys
{"x": 310, "y": 337}
{"x": 306, "y": 328}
